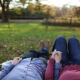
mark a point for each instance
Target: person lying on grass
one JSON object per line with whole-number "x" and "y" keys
{"x": 31, "y": 66}
{"x": 63, "y": 65}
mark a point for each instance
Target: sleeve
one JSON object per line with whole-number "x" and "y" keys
{"x": 50, "y": 70}
{"x": 6, "y": 70}
{"x": 57, "y": 70}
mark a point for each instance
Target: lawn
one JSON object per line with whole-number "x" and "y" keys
{"x": 22, "y": 37}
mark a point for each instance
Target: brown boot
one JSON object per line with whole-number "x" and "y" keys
{"x": 48, "y": 45}
{"x": 42, "y": 45}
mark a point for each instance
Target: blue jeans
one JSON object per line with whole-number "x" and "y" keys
{"x": 70, "y": 53}
{"x": 61, "y": 45}
{"x": 36, "y": 54}
{"x": 74, "y": 50}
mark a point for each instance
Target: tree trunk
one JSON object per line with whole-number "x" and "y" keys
{"x": 4, "y": 15}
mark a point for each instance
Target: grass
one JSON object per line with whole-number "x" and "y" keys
{"x": 22, "y": 37}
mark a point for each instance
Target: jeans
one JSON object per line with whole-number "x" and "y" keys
{"x": 70, "y": 53}
{"x": 74, "y": 51}
{"x": 36, "y": 54}
{"x": 61, "y": 45}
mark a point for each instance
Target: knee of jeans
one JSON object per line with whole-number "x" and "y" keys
{"x": 61, "y": 38}
{"x": 72, "y": 39}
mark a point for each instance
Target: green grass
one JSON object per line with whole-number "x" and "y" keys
{"x": 21, "y": 37}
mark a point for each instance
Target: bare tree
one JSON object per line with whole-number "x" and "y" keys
{"x": 5, "y": 9}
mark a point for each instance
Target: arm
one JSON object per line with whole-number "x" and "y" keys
{"x": 50, "y": 70}
{"x": 6, "y": 64}
{"x": 6, "y": 71}
{"x": 57, "y": 70}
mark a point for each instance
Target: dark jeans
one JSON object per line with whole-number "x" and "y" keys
{"x": 61, "y": 45}
{"x": 73, "y": 57}
{"x": 74, "y": 50}
{"x": 36, "y": 54}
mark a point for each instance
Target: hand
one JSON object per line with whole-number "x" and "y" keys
{"x": 57, "y": 55}
{"x": 16, "y": 60}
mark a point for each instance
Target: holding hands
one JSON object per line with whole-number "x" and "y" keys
{"x": 57, "y": 56}
{"x": 16, "y": 60}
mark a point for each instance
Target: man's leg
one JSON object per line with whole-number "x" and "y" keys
{"x": 61, "y": 45}
{"x": 74, "y": 50}
{"x": 42, "y": 53}
{"x": 31, "y": 54}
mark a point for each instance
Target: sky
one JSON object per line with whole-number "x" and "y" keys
{"x": 58, "y": 3}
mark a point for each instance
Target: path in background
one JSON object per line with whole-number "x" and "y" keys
{"x": 28, "y": 21}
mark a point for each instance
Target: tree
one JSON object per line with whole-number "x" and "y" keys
{"x": 38, "y": 5}
{"x": 65, "y": 10}
{"x": 31, "y": 9}
{"x": 75, "y": 11}
{"x": 58, "y": 12}
{"x": 23, "y": 2}
{"x": 5, "y": 9}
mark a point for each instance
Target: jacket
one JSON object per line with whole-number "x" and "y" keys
{"x": 27, "y": 69}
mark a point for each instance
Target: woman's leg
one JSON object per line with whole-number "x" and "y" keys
{"x": 61, "y": 45}
{"x": 74, "y": 50}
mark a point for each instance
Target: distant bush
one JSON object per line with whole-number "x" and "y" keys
{"x": 63, "y": 21}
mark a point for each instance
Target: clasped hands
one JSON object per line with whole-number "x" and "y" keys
{"x": 57, "y": 56}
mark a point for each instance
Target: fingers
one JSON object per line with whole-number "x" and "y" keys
{"x": 55, "y": 52}
{"x": 57, "y": 55}
{"x": 17, "y": 58}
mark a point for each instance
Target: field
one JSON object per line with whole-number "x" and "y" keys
{"x": 19, "y": 38}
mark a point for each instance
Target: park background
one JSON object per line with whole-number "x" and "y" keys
{"x": 23, "y": 23}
